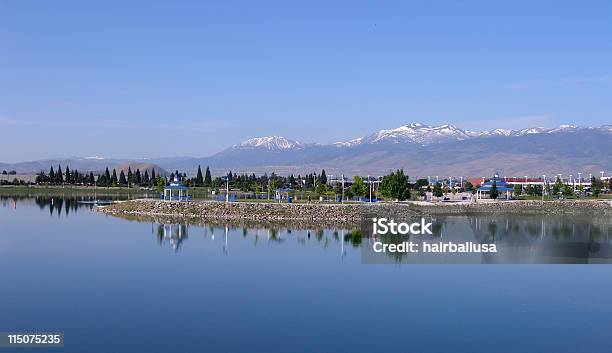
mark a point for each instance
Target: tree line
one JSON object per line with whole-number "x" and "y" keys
{"x": 108, "y": 178}
{"x": 396, "y": 185}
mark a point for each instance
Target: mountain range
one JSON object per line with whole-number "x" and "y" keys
{"x": 419, "y": 149}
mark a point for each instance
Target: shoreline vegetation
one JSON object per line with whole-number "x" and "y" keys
{"x": 205, "y": 193}
{"x": 343, "y": 213}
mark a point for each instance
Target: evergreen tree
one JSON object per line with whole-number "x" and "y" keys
{"x": 494, "y": 193}
{"x": 59, "y": 177}
{"x": 113, "y": 179}
{"x": 323, "y": 177}
{"x": 145, "y": 178}
{"x": 91, "y": 180}
{"x": 67, "y": 176}
{"x": 130, "y": 176}
{"x": 51, "y": 175}
{"x": 122, "y": 180}
{"x": 107, "y": 178}
{"x": 137, "y": 177}
{"x": 199, "y": 180}
{"x": 207, "y": 177}
{"x": 153, "y": 176}
{"x": 468, "y": 186}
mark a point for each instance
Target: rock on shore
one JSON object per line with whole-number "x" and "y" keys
{"x": 345, "y": 213}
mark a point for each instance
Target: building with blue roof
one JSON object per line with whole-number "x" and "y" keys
{"x": 504, "y": 190}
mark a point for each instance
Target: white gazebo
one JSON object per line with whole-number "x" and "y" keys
{"x": 176, "y": 191}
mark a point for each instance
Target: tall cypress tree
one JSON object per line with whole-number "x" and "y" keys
{"x": 107, "y": 177}
{"x": 67, "y": 176}
{"x": 153, "y": 177}
{"x": 207, "y": 177}
{"x": 145, "y": 178}
{"x": 59, "y": 176}
{"x": 122, "y": 180}
{"x": 114, "y": 178}
{"x": 137, "y": 177}
{"x": 323, "y": 177}
{"x": 199, "y": 179}
{"x": 494, "y": 194}
{"x": 130, "y": 176}
{"x": 51, "y": 175}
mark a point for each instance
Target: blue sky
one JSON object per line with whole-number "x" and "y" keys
{"x": 149, "y": 79}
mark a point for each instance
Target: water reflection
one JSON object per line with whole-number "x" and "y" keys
{"x": 172, "y": 234}
{"x": 63, "y": 205}
{"x": 519, "y": 239}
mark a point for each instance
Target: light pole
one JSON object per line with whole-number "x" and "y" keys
{"x": 227, "y": 188}
{"x": 543, "y": 185}
{"x": 343, "y": 188}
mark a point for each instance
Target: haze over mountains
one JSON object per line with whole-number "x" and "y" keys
{"x": 419, "y": 149}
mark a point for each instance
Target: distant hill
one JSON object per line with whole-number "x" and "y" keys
{"x": 419, "y": 149}
{"x": 142, "y": 167}
{"x": 423, "y": 150}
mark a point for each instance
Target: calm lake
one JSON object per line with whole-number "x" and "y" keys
{"x": 115, "y": 285}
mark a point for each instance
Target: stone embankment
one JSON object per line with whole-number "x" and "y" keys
{"x": 350, "y": 213}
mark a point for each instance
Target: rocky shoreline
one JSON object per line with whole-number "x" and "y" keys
{"x": 343, "y": 214}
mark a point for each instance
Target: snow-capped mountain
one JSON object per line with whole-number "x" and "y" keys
{"x": 411, "y": 146}
{"x": 424, "y": 135}
{"x": 412, "y": 133}
{"x": 273, "y": 143}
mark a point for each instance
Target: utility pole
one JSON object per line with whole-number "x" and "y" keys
{"x": 370, "y": 182}
{"x": 543, "y": 185}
